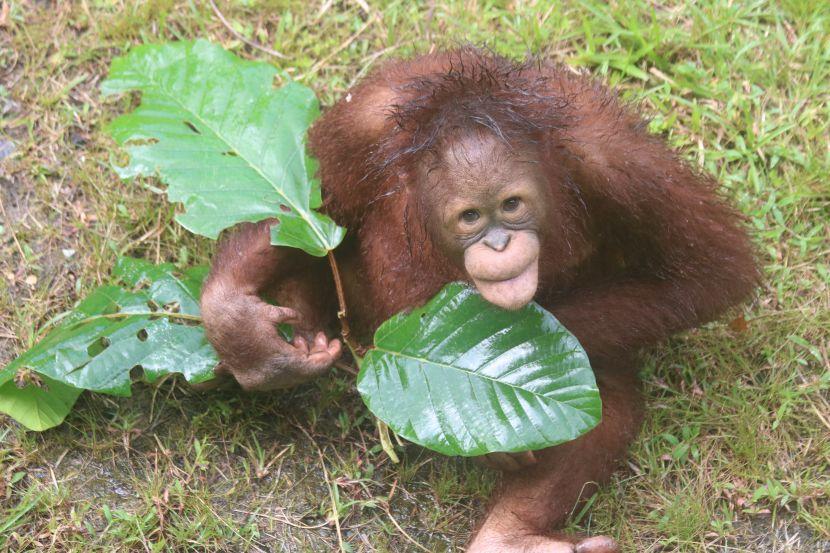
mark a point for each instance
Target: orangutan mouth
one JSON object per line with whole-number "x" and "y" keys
{"x": 511, "y": 293}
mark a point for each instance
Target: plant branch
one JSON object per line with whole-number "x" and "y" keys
{"x": 345, "y": 331}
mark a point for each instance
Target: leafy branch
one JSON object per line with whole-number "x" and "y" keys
{"x": 457, "y": 375}
{"x": 115, "y": 329}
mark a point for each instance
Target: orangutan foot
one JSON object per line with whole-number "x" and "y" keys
{"x": 544, "y": 544}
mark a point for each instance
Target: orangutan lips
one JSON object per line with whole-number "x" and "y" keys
{"x": 508, "y": 276}
{"x": 512, "y": 293}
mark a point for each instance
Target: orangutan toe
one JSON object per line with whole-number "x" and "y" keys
{"x": 597, "y": 544}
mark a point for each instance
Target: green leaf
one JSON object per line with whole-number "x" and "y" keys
{"x": 38, "y": 407}
{"x": 229, "y": 145}
{"x": 464, "y": 377}
{"x": 148, "y": 325}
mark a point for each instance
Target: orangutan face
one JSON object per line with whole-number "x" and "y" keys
{"x": 485, "y": 202}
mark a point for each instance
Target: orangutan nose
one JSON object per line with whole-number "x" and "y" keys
{"x": 497, "y": 239}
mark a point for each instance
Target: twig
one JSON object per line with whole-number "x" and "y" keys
{"x": 316, "y": 67}
{"x": 322, "y": 11}
{"x": 158, "y": 238}
{"x": 345, "y": 367}
{"x": 4, "y": 14}
{"x": 334, "y": 511}
{"x": 249, "y": 42}
{"x": 820, "y": 416}
{"x": 13, "y": 233}
{"x": 154, "y": 232}
{"x": 345, "y": 331}
{"x": 402, "y": 531}
{"x": 370, "y": 59}
{"x": 363, "y": 5}
{"x": 284, "y": 519}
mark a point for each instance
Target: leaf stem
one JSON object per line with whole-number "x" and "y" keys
{"x": 55, "y": 320}
{"x": 124, "y": 315}
{"x": 385, "y": 441}
{"x": 345, "y": 331}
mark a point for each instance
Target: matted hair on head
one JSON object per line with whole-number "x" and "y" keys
{"x": 477, "y": 90}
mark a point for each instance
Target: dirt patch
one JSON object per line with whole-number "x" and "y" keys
{"x": 263, "y": 470}
{"x": 766, "y": 535}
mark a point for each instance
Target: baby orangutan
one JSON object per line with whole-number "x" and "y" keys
{"x": 531, "y": 183}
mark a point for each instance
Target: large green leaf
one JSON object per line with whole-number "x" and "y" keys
{"x": 39, "y": 404}
{"x": 229, "y": 145}
{"x": 149, "y": 325}
{"x": 464, "y": 377}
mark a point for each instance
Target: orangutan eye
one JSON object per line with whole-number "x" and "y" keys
{"x": 511, "y": 204}
{"x": 470, "y": 216}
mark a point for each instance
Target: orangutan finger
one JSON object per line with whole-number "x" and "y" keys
{"x": 334, "y": 349}
{"x": 276, "y": 314}
{"x": 320, "y": 342}
{"x": 300, "y": 343}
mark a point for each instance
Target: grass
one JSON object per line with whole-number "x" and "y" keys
{"x": 735, "y": 451}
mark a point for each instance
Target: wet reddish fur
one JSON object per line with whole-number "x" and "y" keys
{"x": 637, "y": 245}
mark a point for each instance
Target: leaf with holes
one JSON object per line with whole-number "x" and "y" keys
{"x": 147, "y": 324}
{"x": 229, "y": 145}
{"x": 464, "y": 377}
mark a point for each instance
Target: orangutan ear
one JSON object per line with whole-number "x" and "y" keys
{"x": 346, "y": 141}
{"x": 372, "y": 107}
{"x": 366, "y": 111}
{"x": 347, "y": 138}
